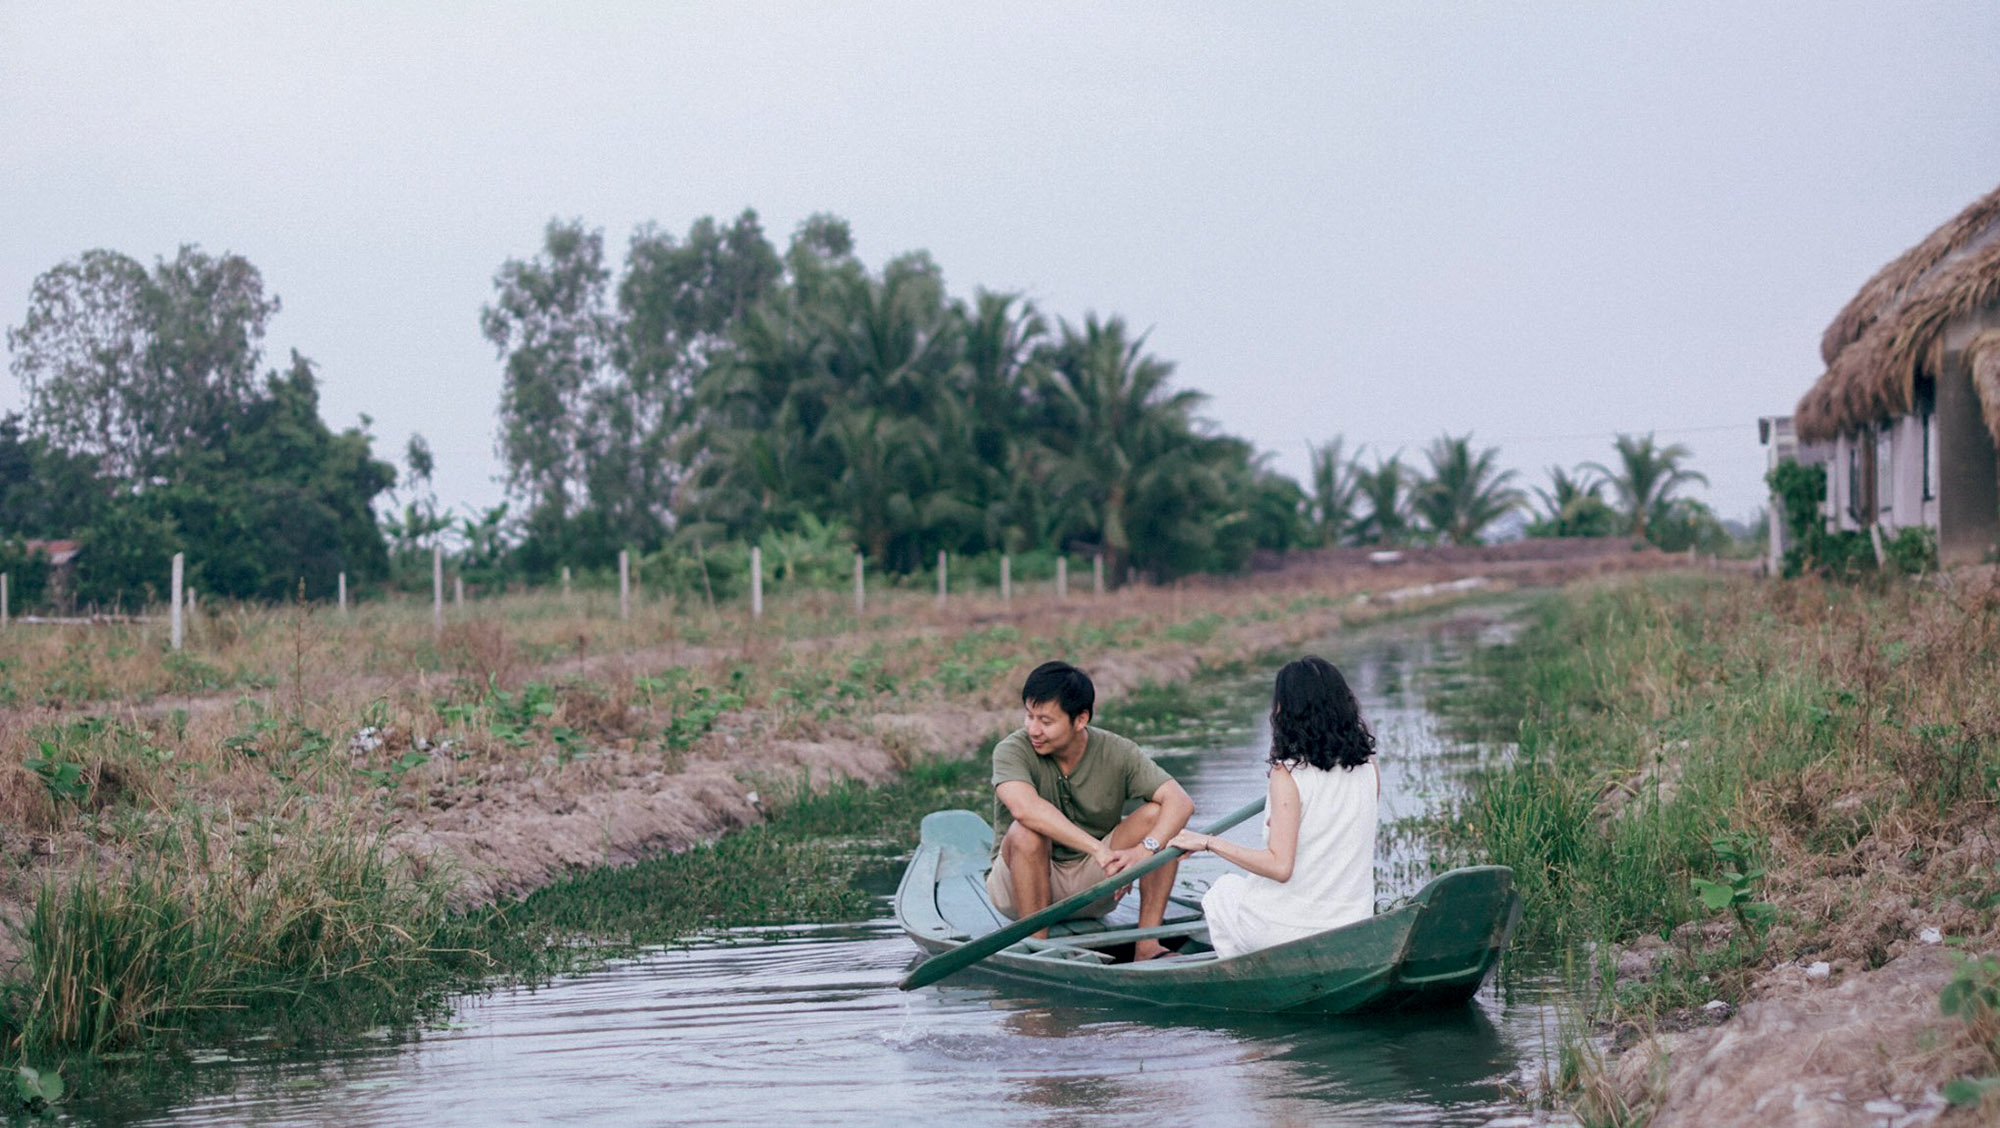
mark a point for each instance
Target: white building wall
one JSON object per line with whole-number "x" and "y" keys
{"x": 1839, "y": 481}
{"x": 1906, "y": 476}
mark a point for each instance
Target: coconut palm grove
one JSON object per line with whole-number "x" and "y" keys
{"x": 709, "y": 392}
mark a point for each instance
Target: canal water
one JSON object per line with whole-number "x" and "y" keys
{"x": 806, "y": 1027}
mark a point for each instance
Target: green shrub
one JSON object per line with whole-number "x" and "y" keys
{"x": 1912, "y": 551}
{"x": 1810, "y": 546}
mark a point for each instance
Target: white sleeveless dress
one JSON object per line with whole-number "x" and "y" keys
{"x": 1333, "y": 873}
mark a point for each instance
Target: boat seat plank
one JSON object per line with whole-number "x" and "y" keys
{"x": 1196, "y": 929}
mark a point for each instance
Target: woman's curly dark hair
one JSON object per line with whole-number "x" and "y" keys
{"x": 1315, "y": 719}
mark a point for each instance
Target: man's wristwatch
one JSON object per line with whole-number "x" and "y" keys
{"x": 1150, "y": 843}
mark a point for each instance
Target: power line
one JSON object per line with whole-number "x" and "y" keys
{"x": 1613, "y": 433}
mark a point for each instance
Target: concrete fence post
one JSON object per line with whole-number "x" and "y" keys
{"x": 624, "y": 583}
{"x": 941, "y": 577}
{"x": 6, "y": 612}
{"x": 860, "y": 585}
{"x": 756, "y": 582}
{"x": 437, "y": 589}
{"x": 1062, "y": 577}
{"x": 1097, "y": 575}
{"x": 343, "y": 595}
{"x": 458, "y": 593}
{"x": 565, "y": 583}
{"x": 180, "y": 565}
{"x": 1006, "y": 578}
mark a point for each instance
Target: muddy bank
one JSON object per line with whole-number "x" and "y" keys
{"x": 1872, "y": 1049}
{"x": 509, "y": 836}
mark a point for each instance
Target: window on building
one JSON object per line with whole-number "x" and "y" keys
{"x": 1854, "y": 479}
{"x": 1885, "y": 467}
{"x": 1927, "y": 419}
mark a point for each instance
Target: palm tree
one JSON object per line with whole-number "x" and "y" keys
{"x": 1335, "y": 489}
{"x": 1387, "y": 520}
{"x": 1465, "y": 492}
{"x": 1573, "y": 506}
{"x": 1648, "y": 477}
{"x": 994, "y": 448}
{"x": 879, "y": 489}
{"x": 1114, "y": 416}
{"x": 1565, "y": 490}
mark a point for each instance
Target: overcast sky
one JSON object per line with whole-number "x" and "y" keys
{"x": 1543, "y": 224}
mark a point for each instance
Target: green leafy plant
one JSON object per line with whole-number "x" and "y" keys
{"x": 571, "y": 744}
{"x": 37, "y": 1089}
{"x": 1736, "y": 891}
{"x": 690, "y": 724}
{"x": 63, "y": 777}
{"x": 188, "y": 674}
{"x": 1973, "y": 995}
{"x": 254, "y": 740}
{"x": 1912, "y": 551}
{"x": 392, "y": 776}
{"x": 694, "y": 708}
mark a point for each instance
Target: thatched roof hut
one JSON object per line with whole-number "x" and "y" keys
{"x": 1892, "y": 335}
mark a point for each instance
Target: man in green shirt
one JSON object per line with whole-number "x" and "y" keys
{"x": 1063, "y": 787}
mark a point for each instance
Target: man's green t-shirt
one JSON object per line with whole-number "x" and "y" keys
{"x": 1112, "y": 773}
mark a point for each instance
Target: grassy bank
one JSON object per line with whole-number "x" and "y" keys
{"x": 187, "y": 864}
{"x": 803, "y": 865}
{"x": 1732, "y": 776}
{"x": 330, "y": 936}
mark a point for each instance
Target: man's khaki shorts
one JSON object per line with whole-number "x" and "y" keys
{"x": 1066, "y": 879}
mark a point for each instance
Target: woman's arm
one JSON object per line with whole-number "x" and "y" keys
{"x": 1281, "y": 843}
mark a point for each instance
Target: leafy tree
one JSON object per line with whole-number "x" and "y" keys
{"x": 415, "y": 523}
{"x": 278, "y": 499}
{"x": 1464, "y": 492}
{"x": 1276, "y": 507}
{"x": 677, "y": 301}
{"x": 1001, "y": 361}
{"x": 133, "y": 367}
{"x": 550, "y": 322}
{"x": 1335, "y": 490}
{"x": 1646, "y": 479}
{"x": 150, "y": 433}
{"x": 1684, "y": 524}
{"x": 45, "y": 492}
{"x": 1573, "y": 506}
{"x": 824, "y": 393}
{"x": 1115, "y": 419}
{"x": 122, "y": 557}
{"x": 1383, "y": 490}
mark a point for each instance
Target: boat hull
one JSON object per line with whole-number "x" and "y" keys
{"x": 1436, "y": 949}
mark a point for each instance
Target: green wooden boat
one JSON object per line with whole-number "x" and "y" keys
{"x": 1434, "y": 949}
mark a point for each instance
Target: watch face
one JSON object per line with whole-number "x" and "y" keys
{"x": 1151, "y": 843}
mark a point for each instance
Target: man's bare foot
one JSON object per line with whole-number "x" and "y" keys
{"x": 1149, "y": 950}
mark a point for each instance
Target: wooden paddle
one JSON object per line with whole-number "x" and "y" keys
{"x": 965, "y": 955}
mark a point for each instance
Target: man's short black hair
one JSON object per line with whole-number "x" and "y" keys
{"x": 1063, "y": 684}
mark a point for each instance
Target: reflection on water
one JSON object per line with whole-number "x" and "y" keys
{"x": 806, "y": 1027}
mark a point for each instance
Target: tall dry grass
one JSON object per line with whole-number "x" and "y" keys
{"x": 272, "y": 919}
{"x": 1844, "y": 739}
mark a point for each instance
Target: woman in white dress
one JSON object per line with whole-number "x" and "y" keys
{"x": 1317, "y": 868}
